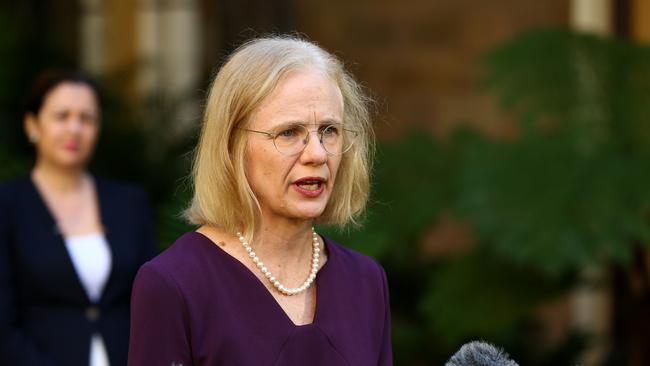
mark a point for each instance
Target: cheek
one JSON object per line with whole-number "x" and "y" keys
{"x": 260, "y": 169}
{"x": 49, "y": 131}
{"x": 91, "y": 135}
{"x": 334, "y": 166}
{"x": 273, "y": 174}
{"x": 48, "y": 138}
{"x": 274, "y": 171}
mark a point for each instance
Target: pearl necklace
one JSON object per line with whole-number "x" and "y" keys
{"x": 315, "y": 258}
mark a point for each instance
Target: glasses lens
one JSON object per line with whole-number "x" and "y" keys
{"x": 291, "y": 140}
{"x": 337, "y": 140}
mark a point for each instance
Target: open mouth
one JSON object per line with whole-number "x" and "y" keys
{"x": 310, "y": 187}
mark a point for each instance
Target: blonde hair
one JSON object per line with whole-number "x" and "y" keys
{"x": 222, "y": 194}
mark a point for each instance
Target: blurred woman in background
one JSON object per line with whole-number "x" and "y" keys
{"x": 70, "y": 243}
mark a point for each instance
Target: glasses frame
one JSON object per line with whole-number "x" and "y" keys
{"x": 319, "y": 133}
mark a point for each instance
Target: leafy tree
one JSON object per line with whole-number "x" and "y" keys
{"x": 570, "y": 191}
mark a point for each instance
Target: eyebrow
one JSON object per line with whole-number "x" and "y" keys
{"x": 327, "y": 121}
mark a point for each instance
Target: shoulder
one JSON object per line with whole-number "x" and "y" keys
{"x": 14, "y": 189}
{"x": 357, "y": 264}
{"x": 180, "y": 271}
{"x": 114, "y": 187}
{"x": 130, "y": 200}
{"x": 14, "y": 186}
{"x": 155, "y": 289}
{"x": 181, "y": 251}
{"x": 350, "y": 257}
{"x": 162, "y": 272}
{"x": 183, "y": 261}
{"x": 360, "y": 277}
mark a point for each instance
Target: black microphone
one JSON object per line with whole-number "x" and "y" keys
{"x": 480, "y": 354}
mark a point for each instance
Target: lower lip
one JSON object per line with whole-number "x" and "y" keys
{"x": 72, "y": 147}
{"x": 310, "y": 193}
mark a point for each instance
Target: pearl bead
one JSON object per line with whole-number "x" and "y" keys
{"x": 278, "y": 286}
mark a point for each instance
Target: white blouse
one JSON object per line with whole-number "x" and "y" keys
{"x": 91, "y": 257}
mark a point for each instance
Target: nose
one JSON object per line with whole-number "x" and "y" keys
{"x": 314, "y": 152}
{"x": 75, "y": 123}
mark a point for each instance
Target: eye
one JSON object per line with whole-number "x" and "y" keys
{"x": 330, "y": 130}
{"x": 61, "y": 115}
{"x": 87, "y": 118}
{"x": 289, "y": 132}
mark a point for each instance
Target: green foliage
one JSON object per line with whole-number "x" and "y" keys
{"x": 169, "y": 221}
{"x": 478, "y": 296}
{"x": 570, "y": 191}
{"x": 546, "y": 205}
{"x": 596, "y": 89}
{"x": 574, "y": 187}
{"x": 437, "y": 304}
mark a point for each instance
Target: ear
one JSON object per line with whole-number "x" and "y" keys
{"x": 30, "y": 124}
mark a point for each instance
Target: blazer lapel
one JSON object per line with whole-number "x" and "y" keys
{"x": 110, "y": 218}
{"x": 50, "y": 245}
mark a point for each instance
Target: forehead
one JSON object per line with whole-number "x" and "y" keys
{"x": 70, "y": 94}
{"x": 306, "y": 96}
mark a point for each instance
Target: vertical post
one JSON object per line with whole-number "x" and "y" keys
{"x": 169, "y": 54}
{"x": 592, "y": 16}
{"x": 148, "y": 48}
{"x": 640, "y": 22}
{"x": 181, "y": 58}
{"x": 92, "y": 33}
{"x": 592, "y": 295}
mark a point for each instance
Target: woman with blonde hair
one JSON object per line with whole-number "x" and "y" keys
{"x": 285, "y": 144}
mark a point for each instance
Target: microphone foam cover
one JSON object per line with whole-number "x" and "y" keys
{"x": 480, "y": 354}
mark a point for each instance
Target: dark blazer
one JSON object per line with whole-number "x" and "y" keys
{"x": 46, "y": 318}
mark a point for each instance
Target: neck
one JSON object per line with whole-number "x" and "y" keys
{"x": 58, "y": 178}
{"x": 292, "y": 239}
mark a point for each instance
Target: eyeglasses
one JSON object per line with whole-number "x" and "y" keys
{"x": 292, "y": 139}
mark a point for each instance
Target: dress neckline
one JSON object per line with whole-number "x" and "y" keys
{"x": 42, "y": 201}
{"x": 321, "y": 285}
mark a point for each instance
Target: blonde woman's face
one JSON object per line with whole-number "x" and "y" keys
{"x": 295, "y": 187}
{"x": 66, "y": 128}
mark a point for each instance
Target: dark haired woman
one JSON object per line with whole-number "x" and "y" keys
{"x": 70, "y": 243}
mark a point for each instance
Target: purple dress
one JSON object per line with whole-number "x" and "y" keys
{"x": 196, "y": 305}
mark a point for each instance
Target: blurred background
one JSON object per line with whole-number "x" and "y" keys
{"x": 511, "y": 194}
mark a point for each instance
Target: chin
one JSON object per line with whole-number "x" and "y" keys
{"x": 72, "y": 163}
{"x": 309, "y": 213}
